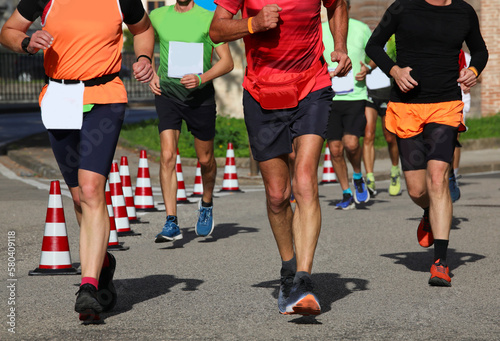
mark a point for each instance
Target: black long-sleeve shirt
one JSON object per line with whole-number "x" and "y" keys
{"x": 428, "y": 39}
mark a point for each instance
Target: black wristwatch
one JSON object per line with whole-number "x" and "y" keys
{"x": 24, "y": 45}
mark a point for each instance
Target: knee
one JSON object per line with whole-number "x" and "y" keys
{"x": 207, "y": 161}
{"x": 168, "y": 158}
{"x": 369, "y": 137}
{"x": 278, "y": 199}
{"x": 90, "y": 194}
{"x": 351, "y": 147}
{"x": 305, "y": 188}
{"x": 416, "y": 193}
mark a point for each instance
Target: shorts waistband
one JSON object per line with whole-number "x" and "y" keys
{"x": 90, "y": 82}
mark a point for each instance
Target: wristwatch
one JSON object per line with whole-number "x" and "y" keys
{"x": 24, "y": 45}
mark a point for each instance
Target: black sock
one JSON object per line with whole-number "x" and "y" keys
{"x": 290, "y": 264}
{"x": 440, "y": 249}
{"x": 300, "y": 275}
{"x": 174, "y": 217}
{"x": 204, "y": 204}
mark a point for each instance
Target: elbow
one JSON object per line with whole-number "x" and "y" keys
{"x": 214, "y": 35}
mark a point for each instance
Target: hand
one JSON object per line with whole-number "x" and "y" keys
{"x": 143, "y": 70}
{"x": 40, "y": 40}
{"x": 464, "y": 88}
{"x": 344, "y": 66}
{"x": 467, "y": 78}
{"x": 403, "y": 78}
{"x": 190, "y": 81}
{"x": 267, "y": 18}
{"x": 154, "y": 85}
{"x": 361, "y": 75}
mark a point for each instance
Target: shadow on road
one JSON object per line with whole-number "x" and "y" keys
{"x": 136, "y": 290}
{"x": 221, "y": 231}
{"x": 421, "y": 261}
{"x": 328, "y": 287}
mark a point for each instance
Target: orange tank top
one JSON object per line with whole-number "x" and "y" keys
{"x": 88, "y": 40}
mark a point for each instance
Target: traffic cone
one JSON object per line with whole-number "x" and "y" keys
{"x": 328, "y": 172}
{"x": 143, "y": 192}
{"x": 113, "y": 243}
{"x": 55, "y": 258}
{"x": 181, "y": 188}
{"x": 127, "y": 190}
{"x": 198, "y": 183}
{"x": 230, "y": 180}
{"x": 118, "y": 202}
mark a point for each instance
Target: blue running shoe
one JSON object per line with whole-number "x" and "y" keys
{"x": 347, "y": 203}
{"x": 205, "y": 224}
{"x": 170, "y": 232}
{"x": 302, "y": 300}
{"x": 454, "y": 190}
{"x": 286, "y": 283}
{"x": 361, "y": 194}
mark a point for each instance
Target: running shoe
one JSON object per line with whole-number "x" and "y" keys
{"x": 424, "y": 231}
{"x": 286, "y": 283}
{"x": 292, "y": 199}
{"x": 87, "y": 304}
{"x": 106, "y": 293}
{"x": 440, "y": 274}
{"x": 370, "y": 185}
{"x": 170, "y": 232}
{"x": 302, "y": 300}
{"x": 205, "y": 224}
{"x": 395, "y": 186}
{"x": 454, "y": 190}
{"x": 347, "y": 203}
{"x": 361, "y": 194}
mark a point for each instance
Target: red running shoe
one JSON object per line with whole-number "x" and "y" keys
{"x": 424, "y": 231}
{"x": 440, "y": 274}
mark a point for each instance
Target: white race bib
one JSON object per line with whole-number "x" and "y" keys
{"x": 62, "y": 106}
{"x": 184, "y": 59}
{"x": 377, "y": 80}
{"x": 343, "y": 85}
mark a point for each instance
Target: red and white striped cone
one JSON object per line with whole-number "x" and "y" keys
{"x": 127, "y": 190}
{"x": 113, "y": 243}
{"x": 230, "y": 180}
{"x": 198, "y": 183}
{"x": 118, "y": 202}
{"x": 181, "y": 187}
{"x": 328, "y": 172}
{"x": 55, "y": 258}
{"x": 143, "y": 191}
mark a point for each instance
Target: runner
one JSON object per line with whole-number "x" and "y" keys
{"x": 82, "y": 43}
{"x": 185, "y": 92}
{"x": 425, "y": 111}
{"x": 286, "y": 102}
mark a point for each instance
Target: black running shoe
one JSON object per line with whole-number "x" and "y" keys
{"x": 302, "y": 300}
{"x": 286, "y": 283}
{"x": 87, "y": 304}
{"x": 106, "y": 294}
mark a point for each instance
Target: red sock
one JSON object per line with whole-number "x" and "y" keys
{"x": 106, "y": 260}
{"x": 90, "y": 280}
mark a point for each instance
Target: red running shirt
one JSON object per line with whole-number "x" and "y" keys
{"x": 293, "y": 46}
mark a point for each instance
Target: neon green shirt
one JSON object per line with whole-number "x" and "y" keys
{"x": 357, "y": 37}
{"x": 189, "y": 27}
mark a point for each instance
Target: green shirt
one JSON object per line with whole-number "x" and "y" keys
{"x": 357, "y": 37}
{"x": 189, "y": 27}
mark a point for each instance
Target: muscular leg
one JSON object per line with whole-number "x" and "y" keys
{"x": 307, "y": 215}
{"x": 338, "y": 162}
{"x": 168, "y": 177}
{"x": 94, "y": 226}
{"x": 353, "y": 151}
{"x": 276, "y": 177}
{"x": 416, "y": 184}
{"x": 441, "y": 209}
{"x": 208, "y": 166}
{"x": 369, "y": 139}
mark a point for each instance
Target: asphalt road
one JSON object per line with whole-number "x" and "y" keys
{"x": 370, "y": 273}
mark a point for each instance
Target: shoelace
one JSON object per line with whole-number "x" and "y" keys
{"x": 394, "y": 180}
{"x": 286, "y": 283}
{"x": 205, "y": 213}
{"x": 359, "y": 185}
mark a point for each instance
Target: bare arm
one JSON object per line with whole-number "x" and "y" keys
{"x": 338, "y": 20}
{"x": 224, "y": 65}
{"x": 144, "y": 40}
{"x": 225, "y": 28}
{"x": 14, "y": 31}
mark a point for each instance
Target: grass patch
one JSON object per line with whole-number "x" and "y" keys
{"x": 233, "y": 130}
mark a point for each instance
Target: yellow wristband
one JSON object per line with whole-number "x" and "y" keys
{"x": 249, "y": 22}
{"x": 473, "y": 69}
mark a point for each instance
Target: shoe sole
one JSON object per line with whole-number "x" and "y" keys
{"x": 439, "y": 282}
{"x": 350, "y": 207}
{"x": 373, "y": 192}
{"x": 305, "y": 306}
{"x": 356, "y": 197}
{"x": 163, "y": 239}
{"x": 90, "y": 317}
